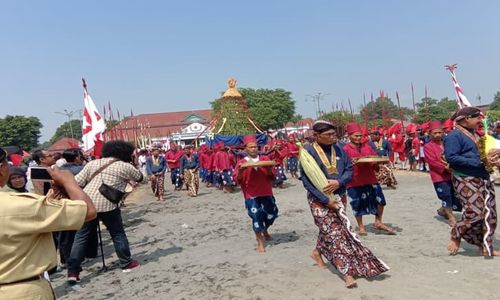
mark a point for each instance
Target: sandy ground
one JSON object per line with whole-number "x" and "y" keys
{"x": 203, "y": 248}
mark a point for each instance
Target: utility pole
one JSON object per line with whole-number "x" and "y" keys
{"x": 317, "y": 98}
{"x": 68, "y": 114}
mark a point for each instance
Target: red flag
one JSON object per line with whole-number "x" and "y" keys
{"x": 93, "y": 124}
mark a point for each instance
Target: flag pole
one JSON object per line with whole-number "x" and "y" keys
{"x": 414, "y": 107}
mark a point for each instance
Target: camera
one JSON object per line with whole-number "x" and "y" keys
{"x": 40, "y": 173}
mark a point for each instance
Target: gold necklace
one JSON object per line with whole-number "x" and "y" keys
{"x": 331, "y": 166}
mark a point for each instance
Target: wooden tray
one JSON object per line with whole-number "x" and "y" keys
{"x": 264, "y": 163}
{"x": 373, "y": 159}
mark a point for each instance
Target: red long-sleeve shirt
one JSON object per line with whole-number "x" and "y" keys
{"x": 222, "y": 161}
{"x": 171, "y": 155}
{"x": 433, "y": 156}
{"x": 256, "y": 182}
{"x": 363, "y": 173}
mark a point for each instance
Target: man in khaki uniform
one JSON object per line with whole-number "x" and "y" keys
{"x": 26, "y": 225}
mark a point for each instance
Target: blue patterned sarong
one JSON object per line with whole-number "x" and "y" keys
{"x": 293, "y": 164}
{"x": 175, "y": 177}
{"x": 280, "y": 175}
{"x": 263, "y": 211}
{"x": 227, "y": 178}
{"x": 446, "y": 194}
{"x": 365, "y": 199}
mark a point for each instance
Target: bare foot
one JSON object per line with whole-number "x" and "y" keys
{"x": 362, "y": 231}
{"x": 485, "y": 253}
{"x": 316, "y": 256}
{"x": 260, "y": 246}
{"x": 267, "y": 236}
{"x": 453, "y": 246}
{"x": 385, "y": 228}
{"x": 350, "y": 282}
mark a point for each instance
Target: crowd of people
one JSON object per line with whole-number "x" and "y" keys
{"x": 459, "y": 170}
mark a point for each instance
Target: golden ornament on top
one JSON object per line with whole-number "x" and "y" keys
{"x": 232, "y": 91}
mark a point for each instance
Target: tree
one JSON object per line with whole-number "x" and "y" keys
{"x": 20, "y": 131}
{"x": 270, "y": 109}
{"x": 432, "y": 109}
{"x": 382, "y": 110}
{"x": 69, "y": 129}
{"x": 495, "y": 105}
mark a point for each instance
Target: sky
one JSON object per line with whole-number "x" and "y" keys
{"x": 159, "y": 56}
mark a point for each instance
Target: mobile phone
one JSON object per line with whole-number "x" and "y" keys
{"x": 40, "y": 173}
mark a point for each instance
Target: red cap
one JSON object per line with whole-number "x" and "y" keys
{"x": 353, "y": 128}
{"x": 249, "y": 139}
{"x": 448, "y": 124}
{"x": 435, "y": 125}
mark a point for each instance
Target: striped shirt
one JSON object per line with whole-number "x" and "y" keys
{"x": 116, "y": 175}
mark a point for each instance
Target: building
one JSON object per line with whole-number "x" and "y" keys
{"x": 183, "y": 127}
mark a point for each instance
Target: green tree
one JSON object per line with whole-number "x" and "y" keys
{"x": 495, "y": 105}
{"x": 20, "y": 131}
{"x": 270, "y": 109}
{"x": 69, "y": 129}
{"x": 429, "y": 109}
{"x": 382, "y": 110}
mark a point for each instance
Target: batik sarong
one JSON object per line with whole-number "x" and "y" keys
{"x": 479, "y": 216}
{"x": 293, "y": 164}
{"x": 340, "y": 246}
{"x": 385, "y": 176}
{"x": 158, "y": 185}
{"x": 446, "y": 194}
{"x": 280, "y": 175}
{"x": 175, "y": 177}
{"x": 192, "y": 181}
{"x": 226, "y": 177}
{"x": 263, "y": 211}
{"x": 365, "y": 199}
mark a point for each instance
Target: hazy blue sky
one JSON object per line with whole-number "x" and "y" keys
{"x": 156, "y": 56}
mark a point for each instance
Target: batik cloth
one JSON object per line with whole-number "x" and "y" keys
{"x": 340, "y": 245}
{"x": 293, "y": 164}
{"x": 175, "y": 177}
{"x": 280, "y": 175}
{"x": 192, "y": 181}
{"x": 385, "y": 176}
{"x": 479, "y": 216}
{"x": 446, "y": 194}
{"x": 365, "y": 199}
{"x": 158, "y": 185}
{"x": 227, "y": 177}
{"x": 263, "y": 211}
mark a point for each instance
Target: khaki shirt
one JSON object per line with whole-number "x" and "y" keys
{"x": 26, "y": 225}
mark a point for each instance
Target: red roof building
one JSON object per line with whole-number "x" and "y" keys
{"x": 63, "y": 144}
{"x": 158, "y": 125}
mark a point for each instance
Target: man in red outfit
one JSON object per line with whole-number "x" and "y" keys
{"x": 173, "y": 157}
{"x": 364, "y": 190}
{"x": 256, "y": 185}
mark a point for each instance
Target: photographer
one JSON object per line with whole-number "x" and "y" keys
{"x": 26, "y": 244}
{"x": 113, "y": 171}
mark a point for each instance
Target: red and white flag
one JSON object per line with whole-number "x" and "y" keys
{"x": 462, "y": 101}
{"x": 93, "y": 125}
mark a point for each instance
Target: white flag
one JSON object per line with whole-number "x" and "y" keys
{"x": 93, "y": 124}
